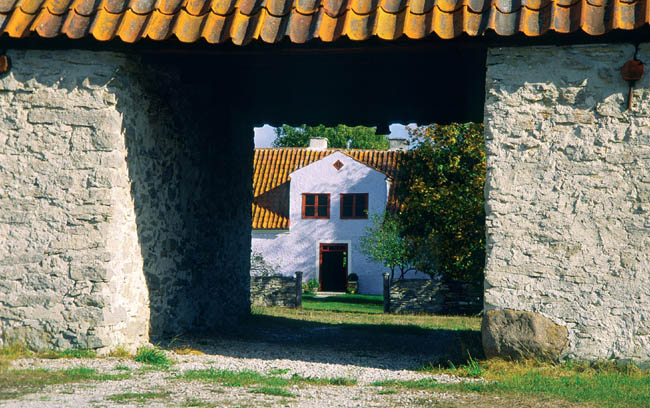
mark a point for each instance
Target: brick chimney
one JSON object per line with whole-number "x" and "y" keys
{"x": 317, "y": 143}
{"x": 399, "y": 145}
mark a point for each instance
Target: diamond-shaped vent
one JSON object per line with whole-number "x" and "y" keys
{"x": 337, "y": 165}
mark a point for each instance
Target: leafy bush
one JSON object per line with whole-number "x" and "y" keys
{"x": 150, "y": 355}
{"x": 441, "y": 190}
{"x": 353, "y": 277}
{"x": 311, "y": 286}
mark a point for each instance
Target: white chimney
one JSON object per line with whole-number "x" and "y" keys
{"x": 399, "y": 145}
{"x": 317, "y": 143}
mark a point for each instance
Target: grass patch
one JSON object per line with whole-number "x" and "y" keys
{"x": 387, "y": 391}
{"x": 194, "y": 402}
{"x": 246, "y": 378}
{"x": 138, "y": 396}
{"x": 71, "y": 353}
{"x": 279, "y": 371}
{"x": 14, "y": 383}
{"x": 122, "y": 368}
{"x": 371, "y": 304}
{"x": 15, "y": 351}
{"x": 600, "y": 384}
{"x": 323, "y": 381}
{"x": 370, "y": 321}
{"x": 187, "y": 350}
{"x": 120, "y": 352}
{"x": 150, "y": 355}
{"x": 275, "y": 391}
{"x": 234, "y": 378}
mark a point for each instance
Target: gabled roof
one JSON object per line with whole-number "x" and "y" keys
{"x": 271, "y": 178}
{"x": 242, "y": 21}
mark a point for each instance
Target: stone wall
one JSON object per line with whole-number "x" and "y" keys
{"x": 568, "y": 194}
{"x": 276, "y": 291}
{"x": 112, "y": 218}
{"x": 412, "y": 296}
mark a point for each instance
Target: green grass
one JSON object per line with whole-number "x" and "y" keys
{"x": 71, "y": 353}
{"x": 275, "y": 391}
{"x": 138, "y": 396}
{"x": 247, "y": 378}
{"x": 195, "y": 402}
{"x": 14, "y": 383}
{"x": 279, "y": 371}
{"x": 604, "y": 385}
{"x": 370, "y": 321}
{"x": 150, "y": 355}
{"x": 344, "y": 303}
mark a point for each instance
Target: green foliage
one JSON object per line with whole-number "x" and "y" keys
{"x": 359, "y": 137}
{"x": 472, "y": 369}
{"x": 310, "y": 286}
{"x": 385, "y": 243}
{"x": 441, "y": 190}
{"x": 150, "y": 355}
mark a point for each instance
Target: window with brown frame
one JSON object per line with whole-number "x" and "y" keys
{"x": 354, "y": 206}
{"x": 315, "y": 205}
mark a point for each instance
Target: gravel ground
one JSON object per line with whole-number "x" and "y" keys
{"x": 262, "y": 357}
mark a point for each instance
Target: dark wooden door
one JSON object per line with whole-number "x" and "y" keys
{"x": 333, "y": 276}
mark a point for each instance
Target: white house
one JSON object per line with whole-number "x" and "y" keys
{"x": 312, "y": 205}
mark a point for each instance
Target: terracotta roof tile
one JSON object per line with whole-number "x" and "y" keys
{"x": 271, "y": 179}
{"x": 302, "y": 20}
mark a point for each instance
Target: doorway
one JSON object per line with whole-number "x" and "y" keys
{"x": 333, "y": 262}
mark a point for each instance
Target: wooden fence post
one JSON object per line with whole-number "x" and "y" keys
{"x": 386, "y": 293}
{"x": 298, "y": 289}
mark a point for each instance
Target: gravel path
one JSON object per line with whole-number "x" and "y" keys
{"x": 262, "y": 357}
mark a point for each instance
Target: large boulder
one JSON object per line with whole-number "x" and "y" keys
{"x": 514, "y": 334}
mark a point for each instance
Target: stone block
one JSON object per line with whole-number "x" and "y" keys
{"x": 513, "y": 334}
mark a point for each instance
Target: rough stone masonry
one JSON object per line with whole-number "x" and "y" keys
{"x": 568, "y": 194}
{"x": 114, "y": 225}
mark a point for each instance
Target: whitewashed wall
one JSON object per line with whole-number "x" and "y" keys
{"x": 568, "y": 194}
{"x": 298, "y": 248}
{"x": 112, "y": 222}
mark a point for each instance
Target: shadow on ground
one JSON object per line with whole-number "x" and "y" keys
{"x": 386, "y": 346}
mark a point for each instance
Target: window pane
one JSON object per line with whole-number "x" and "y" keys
{"x": 309, "y": 211}
{"x": 322, "y": 211}
{"x": 310, "y": 199}
{"x": 360, "y": 206}
{"x": 347, "y": 200}
{"x": 322, "y": 199}
{"x": 346, "y": 211}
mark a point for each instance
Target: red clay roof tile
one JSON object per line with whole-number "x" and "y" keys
{"x": 303, "y": 20}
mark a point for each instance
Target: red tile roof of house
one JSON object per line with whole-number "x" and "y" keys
{"x": 271, "y": 178}
{"x": 242, "y": 21}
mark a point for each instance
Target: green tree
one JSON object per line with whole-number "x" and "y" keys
{"x": 360, "y": 137}
{"x": 384, "y": 243}
{"x": 441, "y": 191}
